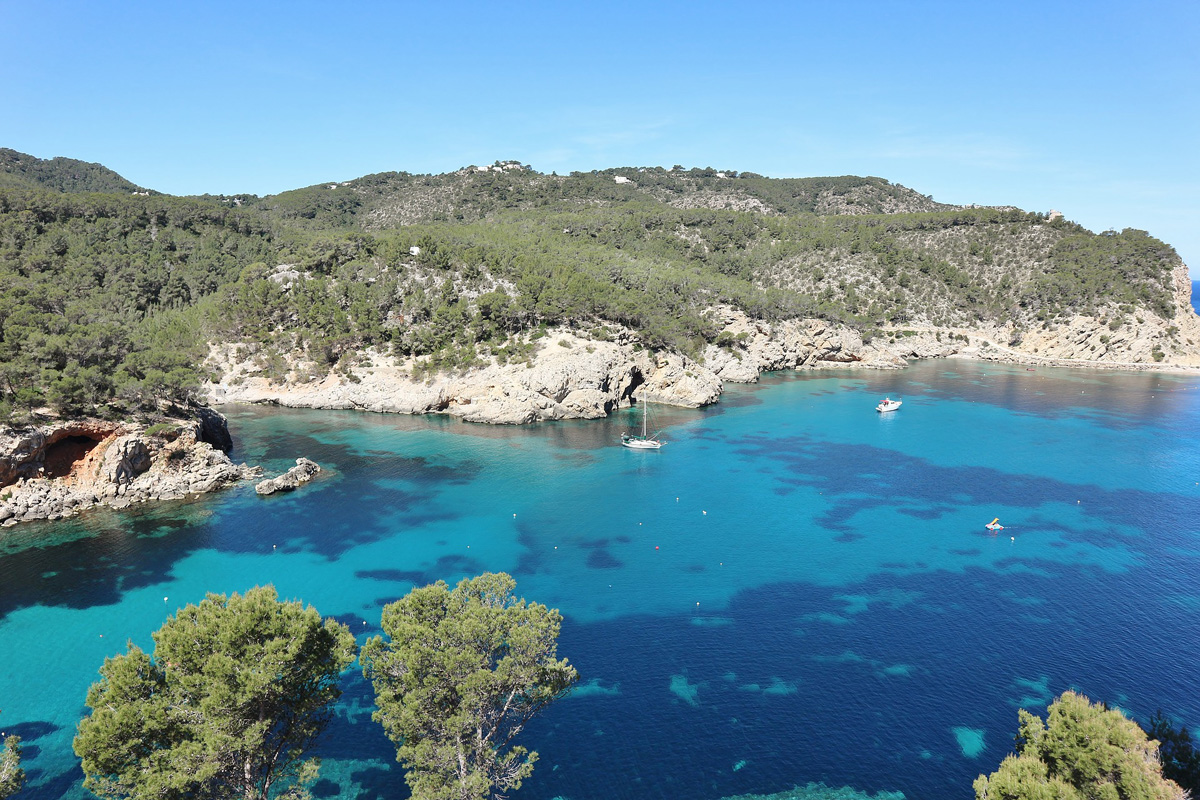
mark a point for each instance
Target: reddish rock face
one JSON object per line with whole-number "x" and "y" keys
{"x": 59, "y": 470}
{"x": 55, "y": 450}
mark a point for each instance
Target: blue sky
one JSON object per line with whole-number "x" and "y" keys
{"x": 1089, "y": 108}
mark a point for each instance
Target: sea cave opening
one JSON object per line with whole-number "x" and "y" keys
{"x": 636, "y": 379}
{"x": 65, "y": 455}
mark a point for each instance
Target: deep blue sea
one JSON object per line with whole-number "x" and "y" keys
{"x": 795, "y": 590}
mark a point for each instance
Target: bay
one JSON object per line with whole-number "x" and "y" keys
{"x": 795, "y": 590}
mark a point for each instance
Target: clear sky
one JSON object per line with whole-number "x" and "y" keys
{"x": 1089, "y": 108}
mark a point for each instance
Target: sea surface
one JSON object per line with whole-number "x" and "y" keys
{"x": 796, "y": 590}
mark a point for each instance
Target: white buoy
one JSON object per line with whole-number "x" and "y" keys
{"x": 164, "y": 599}
{"x": 705, "y": 513}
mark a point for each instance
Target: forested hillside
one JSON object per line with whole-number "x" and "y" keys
{"x": 109, "y": 299}
{"x": 59, "y": 174}
{"x": 98, "y": 294}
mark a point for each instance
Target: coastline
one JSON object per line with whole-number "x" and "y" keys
{"x": 572, "y": 376}
{"x": 59, "y": 469}
{"x": 568, "y": 376}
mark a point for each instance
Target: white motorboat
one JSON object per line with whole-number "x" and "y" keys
{"x": 889, "y": 404}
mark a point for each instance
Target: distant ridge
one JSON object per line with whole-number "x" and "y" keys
{"x": 60, "y": 174}
{"x": 388, "y": 200}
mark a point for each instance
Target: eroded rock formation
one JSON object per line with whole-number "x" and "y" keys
{"x": 55, "y": 470}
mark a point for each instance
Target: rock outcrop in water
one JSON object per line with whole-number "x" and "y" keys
{"x": 57, "y": 469}
{"x": 303, "y": 472}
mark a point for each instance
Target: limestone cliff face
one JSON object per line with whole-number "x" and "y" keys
{"x": 793, "y": 344}
{"x": 58, "y": 469}
{"x": 1113, "y": 338}
{"x": 568, "y": 378}
{"x": 1117, "y": 338}
{"x": 574, "y": 377}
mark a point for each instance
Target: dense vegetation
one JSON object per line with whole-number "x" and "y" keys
{"x": 460, "y": 674}
{"x": 239, "y": 688}
{"x": 19, "y": 170}
{"x": 235, "y": 693}
{"x": 1083, "y": 751}
{"x": 108, "y": 300}
{"x": 96, "y": 292}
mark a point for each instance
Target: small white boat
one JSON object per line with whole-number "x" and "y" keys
{"x": 888, "y": 404}
{"x": 646, "y": 441}
{"x": 641, "y": 442}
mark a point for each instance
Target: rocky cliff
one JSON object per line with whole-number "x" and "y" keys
{"x": 57, "y": 469}
{"x": 572, "y": 376}
{"x": 569, "y": 376}
{"x": 1113, "y": 338}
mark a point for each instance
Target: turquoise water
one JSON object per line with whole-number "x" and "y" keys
{"x": 796, "y": 589}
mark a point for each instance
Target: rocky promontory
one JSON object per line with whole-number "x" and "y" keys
{"x": 59, "y": 468}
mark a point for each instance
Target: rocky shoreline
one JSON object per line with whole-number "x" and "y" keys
{"x": 58, "y": 469}
{"x": 569, "y": 377}
{"x": 572, "y": 376}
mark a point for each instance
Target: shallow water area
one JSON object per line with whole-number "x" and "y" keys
{"x": 795, "y": 590}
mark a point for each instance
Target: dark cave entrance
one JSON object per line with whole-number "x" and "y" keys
{"x": 63, "y": 456}
{"x": 636, "y": 379}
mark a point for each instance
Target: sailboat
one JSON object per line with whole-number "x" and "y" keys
{"x": 645, "y": 441}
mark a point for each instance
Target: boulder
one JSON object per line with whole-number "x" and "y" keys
{"x": 125, "y": 459}
{"x": 290, "y": 480}
{"x": 21, "y": 454}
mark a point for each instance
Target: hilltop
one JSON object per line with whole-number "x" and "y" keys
{"x": 19, "y": 170}
{"x": 391, "y": 199}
